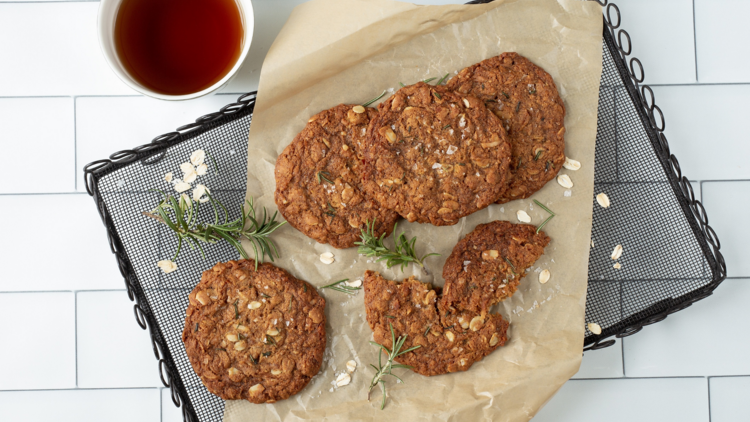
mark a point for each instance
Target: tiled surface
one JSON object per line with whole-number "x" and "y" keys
{"x": 667, "y": 51}
{"x": 679, "y": 345}
{"x": 61, "y": 107}
{"x": 19, "y": 120}
{"x": 34, "y": 325}
{"x": 729, "y": 400}
{"x": 725, "y": 202}
{"x": 109, "y": 361}
{"x": 721, "y": 34}
{"x": 71, "y": 254}
{"x": 627, "y": 400}
{"x": 127, "y": 405}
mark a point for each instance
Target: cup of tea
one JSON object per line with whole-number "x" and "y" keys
{"x": 175, "y": 49}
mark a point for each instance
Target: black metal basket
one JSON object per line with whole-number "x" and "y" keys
{"x": 672, "y": 256}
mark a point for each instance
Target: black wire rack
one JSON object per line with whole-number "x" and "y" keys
{"x": 671, "y": 258}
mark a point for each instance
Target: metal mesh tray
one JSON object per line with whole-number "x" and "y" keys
{"x": 672, "y": 257}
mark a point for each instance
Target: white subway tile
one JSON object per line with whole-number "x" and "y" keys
{"x": 130, "y": 405}
{"x": 704, "y": 130}
{"x": 603, "y": 363}
{"x": 113, "y": 351}
{"x": 705, "y": 339}
{"x": 721, "y": 40}
{"x": 628, "y": 400}
{"x": 729, "y": 399}
{"x": 725, "y": 204}
{"x": 662, "y": 36}
{"x": 105, "y": 125}
{"x": 169, "y": 412}
{"x": 38, "y": 133}
{"x": 38, "y": 341}
{"x": 270, "y": 16}
{"x": 52, "y": 49}
{"x": 59, "y": 243}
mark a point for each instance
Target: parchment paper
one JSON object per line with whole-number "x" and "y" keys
{"x": 348, "y": 51}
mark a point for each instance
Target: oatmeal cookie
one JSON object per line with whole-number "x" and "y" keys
{"x": 318, "y": 179}
{"x": 525, "y": 97}
{"x": 410, "y": 307}
{"x": 486, "y": 266}
{"x": 254, "y": 335}
{"x": 434, "y": 155}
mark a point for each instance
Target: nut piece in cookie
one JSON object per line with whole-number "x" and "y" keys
{"x": 434, "y": 155}
{"x": 446, "y": 346}
{"x": 254, "y": 335}
{"x": 525, "y": 97}
{"x": 486, "y": 266}
{"x": 318, "y": 179}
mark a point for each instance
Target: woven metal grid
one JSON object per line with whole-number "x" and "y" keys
{"x": 671, "y": 255}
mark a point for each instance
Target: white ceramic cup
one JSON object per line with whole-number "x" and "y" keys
{"x": 106, "y": 29}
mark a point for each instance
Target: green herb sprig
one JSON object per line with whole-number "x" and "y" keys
{"x": 552, "y": 214}
{"x": 181, "y": 216}
{"x": 339, "y": 286}
{"x": 381, "y": 371}
{"x": 442, "y": 79}
{"x": 374, "y": 99}
{"x": 404, "y": 253}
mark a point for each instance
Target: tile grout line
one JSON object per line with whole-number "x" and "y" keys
{"x": 695, "y": 44}
{"x": 75, "y": 146}
{"x": 75, "y": 319}
{"x": 708, "y": 388}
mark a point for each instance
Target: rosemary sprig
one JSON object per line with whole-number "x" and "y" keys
{"x": 403, "y": 255}
{"x": 382, "y": 370}
{"x": 442, "y": 79}
{"x": 552, "y": 214}
{"x": 374, "y": 99}
{"x": 324, "y": 176}
{"x": 182, "y": 218}
{"x": 343, "y": 288}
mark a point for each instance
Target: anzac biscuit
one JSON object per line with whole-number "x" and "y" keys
{"x": 410, "y": 307}
{"x": 434, "y": 155}
{"x": 525, "y": 97}
{"x": 486, "y": 266}
{"x": 257, "y": 335}
{"x": 318, "y": 179}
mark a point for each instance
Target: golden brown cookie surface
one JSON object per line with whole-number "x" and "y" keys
{"x": 254, "y": 335}
{"x": 486, "y": 266}
{"x": 434, "y": 155}
{"x": 525, "y": 97}
{"x": 410, "y": 307}
{"x": 318, "y": 179}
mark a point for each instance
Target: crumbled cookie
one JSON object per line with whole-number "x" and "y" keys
{"x": 486, "y": 266}
{"x": 410, "y": 307}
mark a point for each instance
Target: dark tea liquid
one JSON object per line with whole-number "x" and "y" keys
{"x": 178, "y": 47}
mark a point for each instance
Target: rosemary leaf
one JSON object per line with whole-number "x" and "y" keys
{"x": 512, "y": 267}
{"x": 442, "y": 79}
{"x": 428, "y": 80}
{"x": 383, "y": 370}
{"x": 403, "y": 254}
{"x": 374, "y": 99}
{"x": 551, "y": 215}
{"x": 437, "y": 95}
{"x": 343, "y": 288}
{"x": 402, "y": 85}
{"x": 181, "y": 217}
{"x": 236, "y": 312}
{"x": 538, "y": 154}
{"x": 324, "y": 176}
{"x": 270, "y": 340}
